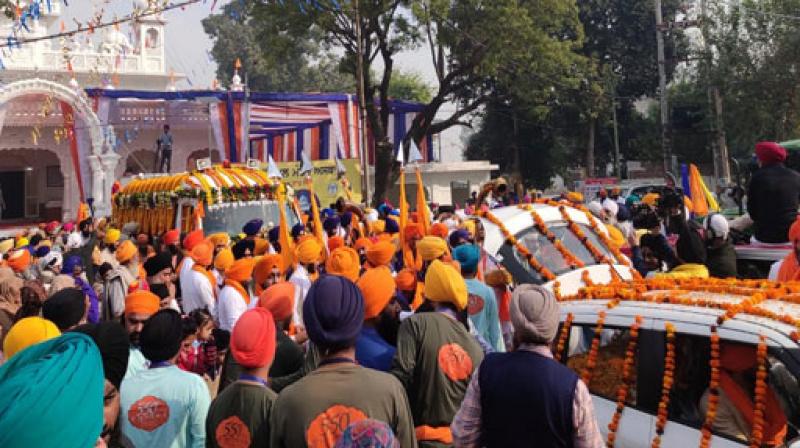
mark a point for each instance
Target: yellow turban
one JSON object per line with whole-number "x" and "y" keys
{"x": 498, "y": 278}
{"x": 651, "y": 199}
{"x": 309, "y": 251}
{"x": 376, "y": 227}
{"x": 126, "y": 251}
{"x": 6, "y": 245}
{"x": 22, "y": 242}
{"x": 444, "y": 284}
{"x": 575, "y": 197}
{"x": 112, "y": 236}
{"x": 220, "y": 239}
{"x": 344, "y": 262}
{"x": 224, "y": 260}
{"x": 378, "y": 287}
{"x": 469, "y": 226}
{"x": 616, "y": 236}
{"x": 241, "y": 270}
{"x": 431, "y": 248}
{"x": 381, "y": 253}
{"x": 27, "y": 332}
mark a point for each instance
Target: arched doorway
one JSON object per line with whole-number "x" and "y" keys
{"x": 32, "y": 185}
{"x": 91, "y": 159}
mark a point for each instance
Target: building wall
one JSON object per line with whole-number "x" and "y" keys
{"x": 439, "y": 181}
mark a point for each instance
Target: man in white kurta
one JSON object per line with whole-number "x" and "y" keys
{"x": 234, "y": 299}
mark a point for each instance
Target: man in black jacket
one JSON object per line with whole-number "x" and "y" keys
{"x": 773, "y": 195}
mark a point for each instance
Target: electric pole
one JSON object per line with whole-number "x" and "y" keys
{"x": 662, "y": 87}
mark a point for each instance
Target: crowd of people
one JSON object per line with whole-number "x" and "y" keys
{"x": 362, "y": 333}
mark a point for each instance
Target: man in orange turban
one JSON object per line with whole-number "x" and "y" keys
{"x": 222, "y": 262}
{"x": 361, "y": 246}
{"x": 439, "y": 229}
{"x": 381, "y": 254}
{"x": 121, "y": 279}
{"x": 309, "y": 257}
{"x": 19, "y": 260}
{"x": 278, "y": 299}
{"x": 267, "y": 271}
{"x": 335, "y": 242}
{"x": 199, "y": 285}
{"x": 235, "y": 295}
{"x": 788, "y": 269}
{"x": 344, "y": 261}
{"x": 139, "y": 306}
{"x": 375, "y": 347}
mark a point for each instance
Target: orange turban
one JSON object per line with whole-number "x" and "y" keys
{"x": 381, "y": 253}
{"x": 439, "y": 229}
{"x": 171, "y": 237}
{"x": 203, "y": 253}
{"x": 376, "y": 227}
{"x": 413, "y": 231}
{"x": 335, "y": 242}
{"x": 220, "y": 239}
{"x": 141, "y": 302}
{"x": 126, "y": 251}
{"x": 279, "y": 300}
{"x": 498, "y": 278}
{"x": 794, "y": 231}
{"x": 19, "y": 260}
{"x": 192, "y": 240}
{"x": 406, "y": 280}
{"x": 224, "y": 260}
{"x": 378, "y": 287}
{"x": 241, "y": 270}
{"x": 253, "y": 339}
{"x": 344, "y": 262}
{"x": 362, "y": 243}
{"x": 262, "y": 246}
{"x": 309, "y": 251}
{"x": 265, "y": 265}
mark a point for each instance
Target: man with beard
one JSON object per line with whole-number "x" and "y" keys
{"x": 120, "y": 280}
{"x": 267, "y": 271}
{"x": 234, "y": 299}
{"x": 139, "y": 306}
{"x": 375, "y": 346}
{"x": 112, "y": 341}
{"x": 159, "y": 279}
{"x": 690, "y": 241}
{"x": 482, "y": 305}
{"x": 772, "y": 196}
{"x": 87, "y": 245}
{"x": 110, "y": 243}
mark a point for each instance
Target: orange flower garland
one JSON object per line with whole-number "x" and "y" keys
{"x": 557, "y": 290}
{"x": 587, "y": 279}
{"x": 713, "y": 387}
{"x": 563, "y": 336}
{"x": 666, "y": 385}
{"x": 510, "y": 239}
{"x": 621, "y": 259}
{"x": 591, "y": 361}
{"x": 573, "y": 261}
{"x": 624, "y": 388}
{"x": 757, "y": 434}
{"x": 576, "y": 230}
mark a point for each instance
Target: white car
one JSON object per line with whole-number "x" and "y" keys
{"x": 693, "y": 309}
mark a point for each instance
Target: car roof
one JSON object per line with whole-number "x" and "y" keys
{"x": 744, "y": 306}
{"x": 517, "y": 219}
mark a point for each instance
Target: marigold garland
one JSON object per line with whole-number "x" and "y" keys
{"x": 591, "y": 360}
{"x": 586, "y": 278}
{"x": 557, "y": 290}
{"x": 621, "y": 259}
{"x": 624, "y": 388}
{"x": 759, "y": 403}
{"x": 521, "y": 249}
{"x": 572, "y": 260}
{"x": 713, "y": 390}
{"x": 579, "y": 233}
{"x": 666, "y": 385}
{"x": 563, "y": 336}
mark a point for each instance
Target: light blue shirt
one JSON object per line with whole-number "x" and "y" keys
{"x": 486, "y": 319}
{"x": 136, "y": 362}
{"x": 164, "y": 407}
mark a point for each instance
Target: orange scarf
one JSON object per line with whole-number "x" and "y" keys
{"x": 790, "y": 269}
{"x": 240, "y": 289}
{"x": 774, "y": 419}
{"x": 211, "y": 280}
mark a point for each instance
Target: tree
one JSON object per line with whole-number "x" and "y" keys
{"x": 272, "y": 62}
{"x": 410, "y": 87}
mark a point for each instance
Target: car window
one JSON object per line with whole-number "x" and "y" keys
{"x": 231, "y": 220}
{"x": 547, "y": 254}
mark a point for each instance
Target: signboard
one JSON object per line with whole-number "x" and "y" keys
{"x": 327, "y": 185}
{"x": 591, "y": 186}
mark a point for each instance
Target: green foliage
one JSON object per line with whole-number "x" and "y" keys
{"x": 410, "y": 87}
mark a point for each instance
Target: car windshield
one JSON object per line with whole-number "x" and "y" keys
{"x": 547, "y": 254}
{"x": 231, "y": 219}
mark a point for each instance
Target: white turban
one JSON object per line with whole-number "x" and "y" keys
{"x": 611, "y": 207}
{"x": 74, "y": 241}
{"x": 52, "y": 259}
{"x": 534, "y": 314}
{"x": 596, "y": 208}
{"x": 717, "y": 225}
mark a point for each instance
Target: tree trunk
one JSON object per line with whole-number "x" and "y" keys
{"x": 385, "y": 172}
{"x": 590, "y": 148}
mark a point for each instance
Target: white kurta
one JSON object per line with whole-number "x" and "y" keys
{"x": 302, "y": 283}
{"x": 183, "y": 279}
{"x": 201, "y": 294}
{"x": 230, "y": 307}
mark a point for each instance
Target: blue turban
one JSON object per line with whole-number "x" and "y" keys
{"x": 458, "y": 235}
{"x": 623, "y": 214}
{"x": 331, "y": 223}
{"x": 70, "y": 263}
{"x": 274, "y": 234}
{"x": 51, "y": 394}
{"x": 384, "y": 209}
{"x": 42, "y": 252}
{"x": 394, "y": 212}
{"x": 240, "y": 249}
{"x": 328, "y": 213}
{"x": 333, "y": 312}
{"x": 468, "y": 256}
{"x": 346, "y": 219}
{"x": 252, "y": 227}
{"x": 391, "y": 226}
{"x": 298, "y": 229}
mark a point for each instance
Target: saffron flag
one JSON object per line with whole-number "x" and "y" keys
{"x": 318, "y": 232}
{"x": 285, "y": 237}
{"x": 423, "y": 214}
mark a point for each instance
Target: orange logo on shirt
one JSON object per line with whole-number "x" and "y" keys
{"x": 455, "y": 362}
{"x": 328, "y": 427}
{"x": 232, "y": 433}
{"x": 474, "y": 304}
{"x": 148, "y": 413}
